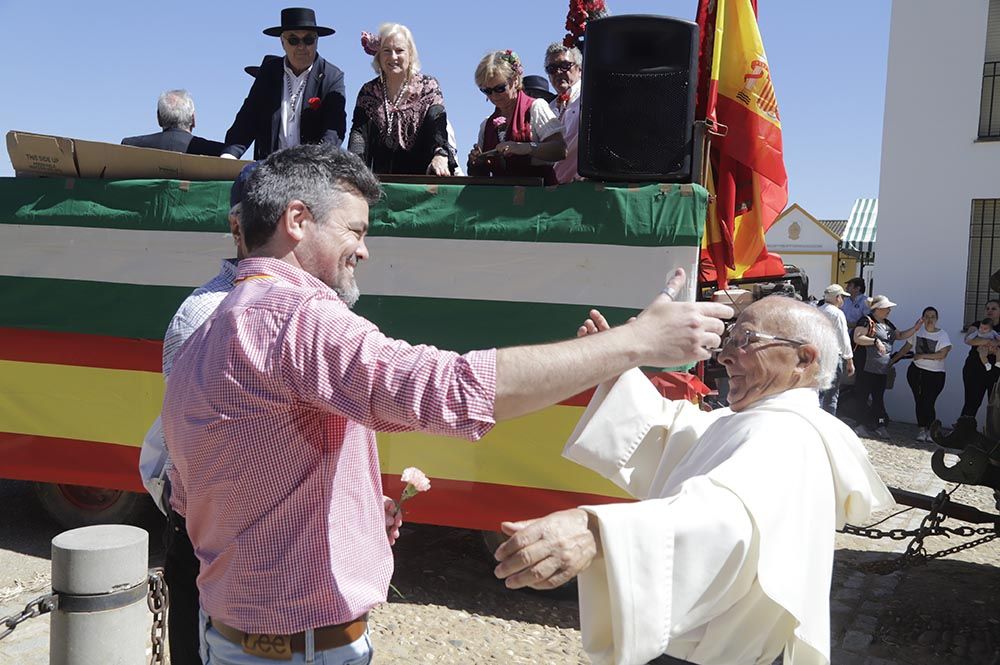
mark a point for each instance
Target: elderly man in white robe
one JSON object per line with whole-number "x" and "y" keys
{"x": 727, "y": 560}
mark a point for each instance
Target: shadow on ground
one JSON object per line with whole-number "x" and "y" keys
{"x": 451, "y": 567}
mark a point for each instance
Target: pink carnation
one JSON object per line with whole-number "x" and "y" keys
{"x": 414, "y": 476}
{"x": 499, "y": 122}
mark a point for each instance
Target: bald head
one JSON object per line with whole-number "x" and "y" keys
{"x": 806, "y": 356}
{"x": 794, "y": 319}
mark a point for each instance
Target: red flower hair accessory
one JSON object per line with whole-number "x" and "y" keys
{"x": 370, "y": 43}
{"x": 315, "y": 103}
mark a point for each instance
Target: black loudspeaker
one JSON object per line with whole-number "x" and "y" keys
{"x": 638, "y": 98}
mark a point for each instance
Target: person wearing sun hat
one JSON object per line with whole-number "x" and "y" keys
{"x": 296, "y": 99}
{"x": 833, "y": 300}
{"x": 876, "y": 333}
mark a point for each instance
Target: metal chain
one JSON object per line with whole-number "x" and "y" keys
{"x": 36, "y": 608}
{"x": 916, "y": 553}
{"x": 158, "y": 602}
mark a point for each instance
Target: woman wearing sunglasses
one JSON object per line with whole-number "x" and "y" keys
{"x": 522, "y": 137}
{"x": 400, "y": 125}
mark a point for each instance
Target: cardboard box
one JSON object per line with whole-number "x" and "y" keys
{"x": 40, "y": 154}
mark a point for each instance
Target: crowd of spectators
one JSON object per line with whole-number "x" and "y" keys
{"x": 868, "y": 360}
{"x": 400, "y": 124}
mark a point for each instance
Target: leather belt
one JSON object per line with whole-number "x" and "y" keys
{"x": 281, "y": 647}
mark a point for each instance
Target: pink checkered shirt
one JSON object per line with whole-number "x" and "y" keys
{"x": 270, "y": 417}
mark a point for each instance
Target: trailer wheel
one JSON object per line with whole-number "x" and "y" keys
{"x": 74, "y": 506}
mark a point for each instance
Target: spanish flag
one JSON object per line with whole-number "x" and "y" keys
{"x": 746, "y": 170}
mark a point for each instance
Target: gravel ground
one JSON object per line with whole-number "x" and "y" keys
{"x": 449, "y": 609}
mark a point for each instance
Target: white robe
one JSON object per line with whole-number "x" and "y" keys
{"x": 728, "y": 559}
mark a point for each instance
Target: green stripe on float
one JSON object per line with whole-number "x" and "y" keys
{"x": 647, "y": 216}
{"x": 128, "y": 310}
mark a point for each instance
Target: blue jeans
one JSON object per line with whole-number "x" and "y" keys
{"x": 828, "y": 398}
{"x": 217, "y": 650}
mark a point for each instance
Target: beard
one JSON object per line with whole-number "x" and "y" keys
{"x": 349, "y": 293}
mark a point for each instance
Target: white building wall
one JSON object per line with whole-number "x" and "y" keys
{"x": 932, "y": 168}
{"x": 804, "y": 243}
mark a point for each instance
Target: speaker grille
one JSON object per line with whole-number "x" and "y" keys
{"x": 646, "y": 114}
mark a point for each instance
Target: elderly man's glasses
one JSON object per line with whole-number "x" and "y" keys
{"x": 561, "y": 66}
{"x": 308, "y": 40}
{"x": 495, "y": 90}
{"x": 746, "y": 337}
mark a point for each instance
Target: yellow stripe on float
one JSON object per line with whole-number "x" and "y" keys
{"x": 86, "y": 403}
{"x": 525, "y": 452}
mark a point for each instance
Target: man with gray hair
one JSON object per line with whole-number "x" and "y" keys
{"x": 727, "y": 559}
{"x": 271, "y": 411}
{"x": 175, "y": 115}
{"x": 563, "y": 66}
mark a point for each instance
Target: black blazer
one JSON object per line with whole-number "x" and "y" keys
{"x": 259, "y": 119}
{"x": 176, "y": 140}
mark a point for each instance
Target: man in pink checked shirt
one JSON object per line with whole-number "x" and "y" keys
{"x": 271, "y": 412}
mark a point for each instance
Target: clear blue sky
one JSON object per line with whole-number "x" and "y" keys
{"x": 94, "y": 70}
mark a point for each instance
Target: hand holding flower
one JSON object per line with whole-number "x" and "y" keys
{"x": 393, "y": 519}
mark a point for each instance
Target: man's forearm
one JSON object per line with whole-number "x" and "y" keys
{"x": 532, "y": 377}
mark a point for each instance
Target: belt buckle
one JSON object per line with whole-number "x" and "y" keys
{"x": 263, "y": 645}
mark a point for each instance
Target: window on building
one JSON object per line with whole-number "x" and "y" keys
{"x": 989, "y": 106}
{"x": 984, "y": 255}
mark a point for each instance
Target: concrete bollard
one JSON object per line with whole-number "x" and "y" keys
{"x": 101, "y": 575}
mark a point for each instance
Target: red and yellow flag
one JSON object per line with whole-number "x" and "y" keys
{"x": 746, "y": 170}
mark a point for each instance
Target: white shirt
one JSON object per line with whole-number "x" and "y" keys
{"x": 569, "y": 116}
{"x": 931, "y": 342}
{"x": 728, "y": 557}
{"x": 291, "y": 106}
{"x": 839, "y": 321}
{"x": 154, "y": 460}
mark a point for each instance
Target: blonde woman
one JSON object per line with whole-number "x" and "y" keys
{"x": 400, "y": 125}
{"x": 522, "y": 137}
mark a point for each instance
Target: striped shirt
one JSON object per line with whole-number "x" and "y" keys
{"x": 270, "y": 415}
{"x": 154, "y": 460}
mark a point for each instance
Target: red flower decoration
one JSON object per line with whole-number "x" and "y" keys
{"x": 315, "y": 103}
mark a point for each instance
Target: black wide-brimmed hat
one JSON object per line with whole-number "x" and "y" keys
{"x": 538, "y": 87}
{"x": 298, "y": 18}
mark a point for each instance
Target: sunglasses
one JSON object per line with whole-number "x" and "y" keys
{"x": 308, "y": 40}
{"x": 747, "y": 337}
{"x": 495, "y": 90}
{"x": 561, "y": 66}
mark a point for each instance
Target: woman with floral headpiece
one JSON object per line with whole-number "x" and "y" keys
{"x": 400, "y": 125}
{"x": 522, "y": 137}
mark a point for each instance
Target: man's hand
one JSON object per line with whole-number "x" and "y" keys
{"x": 547, "y": 552}
{"x": 393, "y": 519}
{"x": 676, "y": 333}
{"x": 850, "y": 367}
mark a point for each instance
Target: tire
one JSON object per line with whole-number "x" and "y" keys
{"x": 73, "y": 506}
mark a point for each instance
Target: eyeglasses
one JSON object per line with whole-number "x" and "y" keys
{"x": 747, "y": 337}
{"x": 495, "y": 90}
{"x": 561, "y": 66}
{"x": 308, "y": 40}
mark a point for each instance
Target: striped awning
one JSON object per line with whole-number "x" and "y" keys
{"x": 860, "y": 231}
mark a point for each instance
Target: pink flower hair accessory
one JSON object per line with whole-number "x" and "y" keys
{"x": 370, "y": 43}
{"x": 511, "y": 58}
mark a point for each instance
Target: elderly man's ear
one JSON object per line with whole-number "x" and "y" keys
{"x": 808, "y": 356}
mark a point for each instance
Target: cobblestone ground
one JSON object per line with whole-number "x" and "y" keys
{"x": 451, "y": 611}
